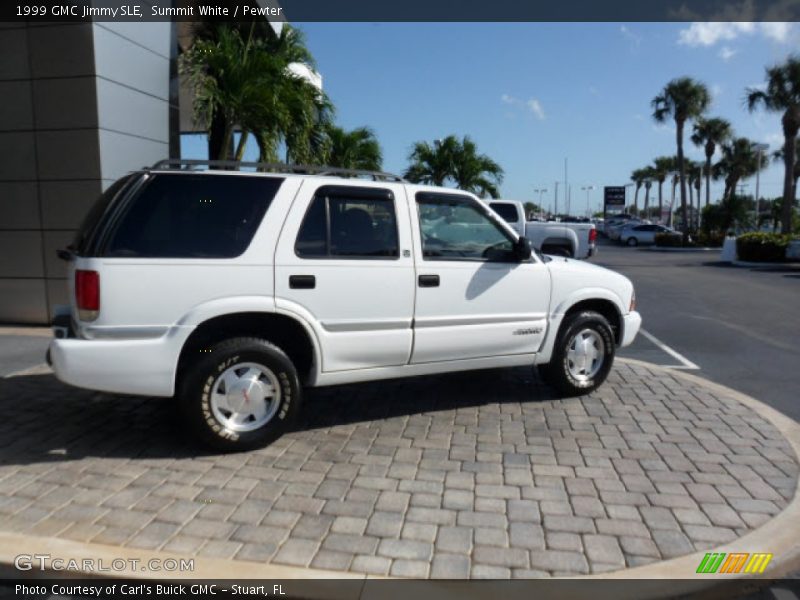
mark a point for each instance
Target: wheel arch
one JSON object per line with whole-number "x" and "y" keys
{"x": 288, "y": 333}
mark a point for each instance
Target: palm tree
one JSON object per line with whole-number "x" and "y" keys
{"x": 475, "y": 172}
{"x": 682, "y": 99}
{"x": 709, "y": 133}
{"x": 432, "y": 164}
{"x": 739, "y": 160}
{"x": 241, "y": 78}
{"x": 662, "y": 167}
{"x": 649, "y": 176}
{"x": 782, "y": 94}
{"x": 457, "y": 161}
{"x": 694, "y": 172}
{"x": 354, "y": 149}
{"x": 637, "y": 176}
{"x": 778, "y": 156}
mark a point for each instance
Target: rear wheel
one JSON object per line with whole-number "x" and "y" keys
{"x": 582, "y": 356}
{"x": 242, "y": 395}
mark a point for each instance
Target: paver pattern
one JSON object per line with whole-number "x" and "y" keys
{"x": 477, "y": 475}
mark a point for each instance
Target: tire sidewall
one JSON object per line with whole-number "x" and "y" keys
{"x": 196, "y": 397}
{"x": 562, "y": 378}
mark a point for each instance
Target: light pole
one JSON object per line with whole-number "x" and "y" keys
{"x": 588, "y": 189}
{"x": 760, "y": 148}
{"x": 540, "y": 191}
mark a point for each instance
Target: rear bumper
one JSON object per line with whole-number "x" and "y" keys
{"x": 143, "y": 367}
{"x": 630, "y": 327}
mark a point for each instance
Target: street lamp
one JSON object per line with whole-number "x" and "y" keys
{"x": 588, "y": 189}
{"x": 540, "y": 191}
{"x": 760, "y": 148}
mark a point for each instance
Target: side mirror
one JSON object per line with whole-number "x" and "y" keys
{"x": 522, "y": 248}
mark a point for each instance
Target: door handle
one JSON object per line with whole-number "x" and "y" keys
{"x": 428, "y": 281}
{"x": 302, "y": 282}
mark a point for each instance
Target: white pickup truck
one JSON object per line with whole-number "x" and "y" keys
{"x": 574, "y": 240}
{"x": 231, "y": 290}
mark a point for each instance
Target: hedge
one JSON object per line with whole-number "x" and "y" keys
{"x": 762, "y": 247}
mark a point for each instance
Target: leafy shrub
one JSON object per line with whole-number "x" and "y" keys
{"x": 712, "y": 239}
{"x": 762, "y": 247}
{"x": 669, "y": 240}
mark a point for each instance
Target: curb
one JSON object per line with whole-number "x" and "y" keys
{"x": 778, "y": 536}
{"x": 765, "y": 265}
{"x": 26, "y": 331}
{"x": 679, "y": 250}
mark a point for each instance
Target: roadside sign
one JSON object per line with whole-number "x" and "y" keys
{"x": 613, "y": 199}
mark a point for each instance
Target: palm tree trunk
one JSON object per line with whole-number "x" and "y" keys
{"x": 227, "y": 142}
{"x": 636, "y": 201}
{"x": 216, "y": 135}
{"x": 691, "y": 202}
{"x": 240, "y": 147}
{"x": 790, "y": 127}
{"x": 660, "y": 201}
{"x": 682, "y": 170}
{"x": 708, "y": 180}
{"x": 647, "y": 202}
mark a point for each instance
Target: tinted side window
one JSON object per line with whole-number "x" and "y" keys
{"x": 93, "y": 221}
{"x": 193, "y": 216}
{"x": 338, "y": 225}
{"x": 458, "y": 228}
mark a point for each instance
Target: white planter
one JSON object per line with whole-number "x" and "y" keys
{"x": 728, "y": 250}
{"x": 793, "y": 250}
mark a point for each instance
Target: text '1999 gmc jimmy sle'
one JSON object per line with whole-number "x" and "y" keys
{"x": 230, "y": 290}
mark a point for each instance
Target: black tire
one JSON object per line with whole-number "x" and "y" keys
{"x": 558, "y": 373}
{"x": 632, "y": 241}
{"x": 200, "y": 379}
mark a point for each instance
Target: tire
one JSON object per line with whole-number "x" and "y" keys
{"x": 566, "y": 375}
{"x": 632, "y": 241}
{"x": 263, "y": 400}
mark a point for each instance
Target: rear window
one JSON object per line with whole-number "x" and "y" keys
{"x": 507, "y": 211}
{"x": 85, "y": 235}
{"x": 192, "y": 216}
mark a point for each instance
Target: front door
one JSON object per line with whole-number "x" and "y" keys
{"x": 474, "y": 299}
{"x": 340, "y": 265}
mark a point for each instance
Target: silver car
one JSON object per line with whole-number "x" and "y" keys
{"x": 642, "y": 233}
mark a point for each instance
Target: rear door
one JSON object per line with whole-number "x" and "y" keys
{"x": 344, "y": 264}
{"x": 474, "y": 299}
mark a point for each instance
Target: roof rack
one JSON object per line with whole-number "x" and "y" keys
{"x": 235, "y": 165}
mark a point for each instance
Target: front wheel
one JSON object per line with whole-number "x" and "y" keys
{"x": 241, "y": 395}
{"x": 582, "y": 356}
{"x": 633, "y": 241}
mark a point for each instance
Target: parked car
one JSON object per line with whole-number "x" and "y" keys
{"x": 230, "y": 291}
{"x": 615, "y": 220}
{"x": 643, "y": 233}
{"x": 614, "y": 230}
{"x": 570, "y": 239}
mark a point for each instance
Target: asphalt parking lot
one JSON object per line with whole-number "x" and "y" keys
{"x": 740, "y": 326}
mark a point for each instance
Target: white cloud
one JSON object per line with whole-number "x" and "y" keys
{"x": 710, "y": 33}
{"x": 726, "y": 53}
{"x": 634, "y": 38}
{"x": 716, "y": 91}
{"x": 536, "y": 108}
{"x": 532, "y": 104}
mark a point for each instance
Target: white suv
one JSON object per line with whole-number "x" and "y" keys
{"x": 231, "y": 290}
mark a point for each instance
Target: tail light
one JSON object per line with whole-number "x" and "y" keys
{"x": 592, "y": 235}
{"x": 87, "y": 294}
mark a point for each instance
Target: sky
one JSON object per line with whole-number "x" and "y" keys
{"x": 534, "y": 94}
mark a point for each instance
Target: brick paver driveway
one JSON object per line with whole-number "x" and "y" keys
{"x": 464, "y": 475}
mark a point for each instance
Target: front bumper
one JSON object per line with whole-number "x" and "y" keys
{"x": 631, "y": 323}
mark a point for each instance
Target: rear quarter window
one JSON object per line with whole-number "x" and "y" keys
{"x": 192, "y": 216}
